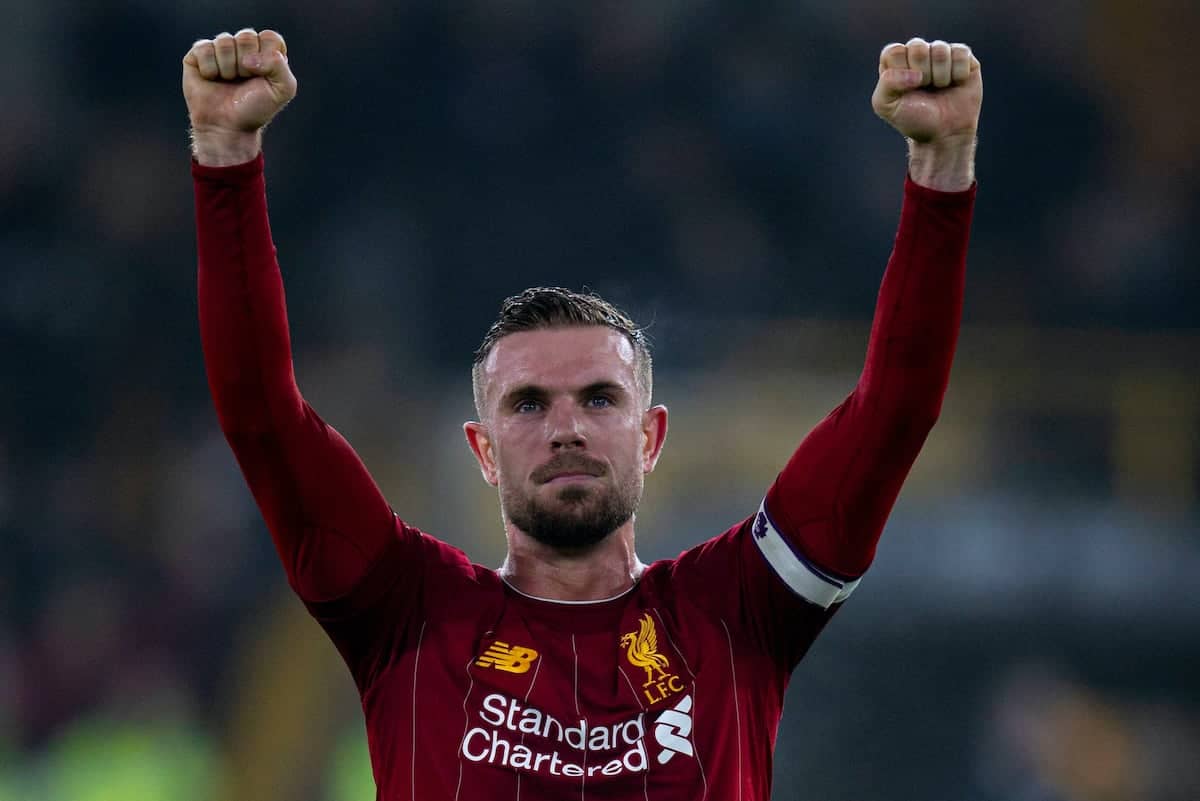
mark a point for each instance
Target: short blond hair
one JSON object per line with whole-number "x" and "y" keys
{"x": 543, "y": 307}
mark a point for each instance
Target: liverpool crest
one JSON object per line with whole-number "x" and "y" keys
{"x": 642, "y": 651}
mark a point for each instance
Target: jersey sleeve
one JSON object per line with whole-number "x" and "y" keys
{"x": 341, "y": 545}
{"x": 822, "y": 517}
{"x": 814, "y": 535}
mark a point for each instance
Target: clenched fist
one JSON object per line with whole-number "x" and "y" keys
{"x": 932, "y": 93}
{"x": 929, "y": 91}
{"x": 234, "y": 86}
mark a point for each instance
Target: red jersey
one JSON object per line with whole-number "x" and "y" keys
{"x": 671, "y": 691}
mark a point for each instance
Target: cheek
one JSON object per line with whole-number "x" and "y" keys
{"x": 628, "y": 442}
{"x": 511, "y": 454}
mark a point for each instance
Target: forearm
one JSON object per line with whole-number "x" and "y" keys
{"x": 917, "y": 314}
{"x": 243, "y": 315}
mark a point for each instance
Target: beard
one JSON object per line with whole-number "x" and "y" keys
{"x": 578, "y": 517}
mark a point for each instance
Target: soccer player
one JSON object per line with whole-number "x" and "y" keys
{"x": 573, "y": 671}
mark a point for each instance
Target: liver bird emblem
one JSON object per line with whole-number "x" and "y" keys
{"x": 643, "y": 652}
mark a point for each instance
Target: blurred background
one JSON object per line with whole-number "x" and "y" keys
{"x": 1030, "y": 630}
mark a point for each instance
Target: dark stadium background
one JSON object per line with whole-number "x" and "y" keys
{"x": 1029, "y": 629}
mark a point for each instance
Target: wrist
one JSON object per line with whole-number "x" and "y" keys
{"x": 214, "y": 148}
{"x": 947, "y": 165}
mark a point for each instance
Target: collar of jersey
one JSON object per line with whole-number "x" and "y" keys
{"x": 621, "y": 594}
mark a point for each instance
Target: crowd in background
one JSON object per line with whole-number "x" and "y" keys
{"x": 713, "y": 167}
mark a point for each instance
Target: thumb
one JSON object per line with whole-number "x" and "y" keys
{"x": 893, "y": 83}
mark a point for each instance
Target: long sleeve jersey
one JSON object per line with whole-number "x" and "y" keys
{"x": 671, "y": 691}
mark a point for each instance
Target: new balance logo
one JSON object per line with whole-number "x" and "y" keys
{"x": 509, "y": 658}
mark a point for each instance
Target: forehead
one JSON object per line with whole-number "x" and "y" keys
{"x": 560, "y": 358}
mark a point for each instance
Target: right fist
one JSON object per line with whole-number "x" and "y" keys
{"x": 235, "y": 85}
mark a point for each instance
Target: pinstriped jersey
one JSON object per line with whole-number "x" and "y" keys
{"x": 671, "y": 691}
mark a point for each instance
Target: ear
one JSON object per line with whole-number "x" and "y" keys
{"x": 481, "y": 445}
{"x": 654, "y": 436}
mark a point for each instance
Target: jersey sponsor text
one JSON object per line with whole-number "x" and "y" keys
{"x": 495, "y": 744}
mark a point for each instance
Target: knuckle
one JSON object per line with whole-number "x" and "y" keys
{"x": 916, "y": 41}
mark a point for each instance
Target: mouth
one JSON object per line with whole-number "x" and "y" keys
{"x": 570, "y": 478}
{"x": 568, "y": 471}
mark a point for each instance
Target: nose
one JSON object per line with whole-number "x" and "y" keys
{"x": 565, "y": 429}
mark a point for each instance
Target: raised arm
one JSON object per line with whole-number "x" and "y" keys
{"x": 827, "y": 508}
{"x": 329, "y": 521}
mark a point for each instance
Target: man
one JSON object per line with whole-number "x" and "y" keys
{"x": 574, "y": 671}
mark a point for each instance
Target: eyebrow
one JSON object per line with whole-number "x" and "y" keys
{"x": 611, "y": 387}
{"x": 532, "y": 391}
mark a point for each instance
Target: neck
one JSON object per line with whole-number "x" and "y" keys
{"x": 602, "y": 571}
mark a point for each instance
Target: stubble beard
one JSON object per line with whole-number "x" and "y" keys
{"x": 578, "y": 518}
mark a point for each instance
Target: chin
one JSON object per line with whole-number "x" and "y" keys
{"x": 574, "y": 494}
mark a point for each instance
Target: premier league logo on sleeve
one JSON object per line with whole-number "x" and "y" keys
{"x": 760, "y": 525}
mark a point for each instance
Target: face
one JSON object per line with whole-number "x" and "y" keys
{"x": 566, "y": 436}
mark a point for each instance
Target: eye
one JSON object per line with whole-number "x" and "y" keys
{"x": 599, "y": 402}
{"x": 526, "y": 406}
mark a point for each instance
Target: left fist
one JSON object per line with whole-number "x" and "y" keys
{"x": 929, "y": 91}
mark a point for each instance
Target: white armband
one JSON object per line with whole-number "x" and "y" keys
{"x": 802, "y": 576}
